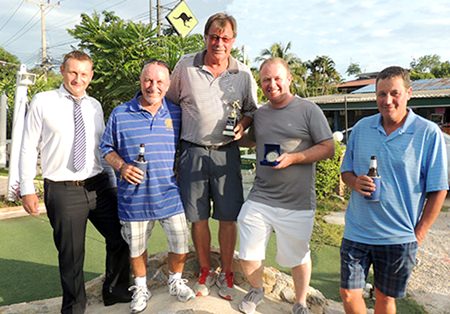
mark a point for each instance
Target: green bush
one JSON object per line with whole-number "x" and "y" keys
{"x": 328, "y": 173}
{"x": 325, "y": 233}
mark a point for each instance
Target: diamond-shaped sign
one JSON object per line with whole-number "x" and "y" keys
{"x": 182, "y": 19}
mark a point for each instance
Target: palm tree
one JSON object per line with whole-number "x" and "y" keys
{"x": 353, "y": 69}
{"x": 277, "y": 51}
{"x": 324, "y": 77}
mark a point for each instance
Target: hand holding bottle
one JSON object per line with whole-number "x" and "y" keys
{"x": 140, "y": 161}
{"x": 373, "y": 175}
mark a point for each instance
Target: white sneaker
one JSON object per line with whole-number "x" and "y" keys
{"x": 179, "y": 288}
{"x": 139, "y": 299}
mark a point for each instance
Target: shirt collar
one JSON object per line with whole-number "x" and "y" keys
{"x": 200, "y": 57}
{"x": 64, "y": 92}
{"x": 407, "y": 127}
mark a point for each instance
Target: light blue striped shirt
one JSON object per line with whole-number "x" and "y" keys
{"x": 412, "y": 161}
{"x": 129, "y": 125}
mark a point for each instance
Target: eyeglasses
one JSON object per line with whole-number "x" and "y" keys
{"x": 214, "y": 37}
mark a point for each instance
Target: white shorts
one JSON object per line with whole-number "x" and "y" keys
{"x": 292, "y": 228}
{"x": 136, "y": 234}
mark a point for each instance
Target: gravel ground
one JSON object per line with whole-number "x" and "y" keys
{"x": 430, "y": 282}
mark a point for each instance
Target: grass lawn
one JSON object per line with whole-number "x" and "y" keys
{"x": 29, "y": 266}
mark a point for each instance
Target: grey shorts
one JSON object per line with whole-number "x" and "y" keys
{"x": 210, "y": 174}
{"x": 137, "y": 233}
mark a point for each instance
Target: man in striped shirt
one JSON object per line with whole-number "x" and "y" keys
{"x": 151, "y": 195}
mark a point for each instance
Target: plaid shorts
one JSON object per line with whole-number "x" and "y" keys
{"x": 392, "y": 266}
{"x": 136, "y": 234}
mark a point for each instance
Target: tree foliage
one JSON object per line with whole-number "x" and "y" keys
{"x": 8, "y": 70}
{"x": 328, "y": 173}
{"x": 8, "y": 73}
{"x": 428, "y": 67}
{"x": 323, "y": 78}
{"x": 119, "y": 49}
{"x": 353, "y": 69}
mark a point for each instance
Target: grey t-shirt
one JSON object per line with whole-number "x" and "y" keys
{"x": 296, "y": 127}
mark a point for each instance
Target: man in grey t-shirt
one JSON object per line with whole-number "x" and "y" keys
{"x": 291, "y": 134}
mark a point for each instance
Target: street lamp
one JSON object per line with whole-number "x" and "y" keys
{"x": 23, "y": 80}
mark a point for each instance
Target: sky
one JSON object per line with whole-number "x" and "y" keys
{"x": 372, "y": 33}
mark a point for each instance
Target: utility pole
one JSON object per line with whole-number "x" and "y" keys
{"x": 43, "y": 34}
{"x": 44, "y": 6}
{"x": 150, "y": 10}
{"x": 158, "y": 18}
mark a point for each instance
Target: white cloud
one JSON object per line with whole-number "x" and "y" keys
{"x": 373, "y": 33}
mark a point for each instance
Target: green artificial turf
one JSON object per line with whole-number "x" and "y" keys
{"x": 29, "y": 266}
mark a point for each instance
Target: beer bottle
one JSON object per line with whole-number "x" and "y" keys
{"x": 141, "y": 155}
{"x": 373, "y": 173}
{"x": 373, "y": 169}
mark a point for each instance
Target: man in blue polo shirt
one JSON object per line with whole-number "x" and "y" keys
{"x": 144, "y": 197}
{"x": 412, "y": 163}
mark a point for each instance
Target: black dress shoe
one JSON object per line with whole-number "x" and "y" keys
{"x": 116, "y": 295}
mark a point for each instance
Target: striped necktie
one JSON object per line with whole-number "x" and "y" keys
{"x": 79, "y": 144}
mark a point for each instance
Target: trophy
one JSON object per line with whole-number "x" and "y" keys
{"x": 271, "y": 153}
{"x": 232, "y": 119}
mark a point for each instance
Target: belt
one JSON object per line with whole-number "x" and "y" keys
{"x": 207, "y": 147}
{"x": 75, "y": 183}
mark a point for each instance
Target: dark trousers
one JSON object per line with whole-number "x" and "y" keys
{"x": 68, "y": 209}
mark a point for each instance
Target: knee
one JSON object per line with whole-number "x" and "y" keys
{"x": 383, "y": 298}
{"x": 249, "y": 267}
{"x": 350, "y": 295}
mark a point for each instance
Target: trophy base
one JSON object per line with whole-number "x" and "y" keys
{"x": 228, "y": 133}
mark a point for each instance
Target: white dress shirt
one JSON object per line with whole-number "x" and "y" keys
{"x": 49, "y": 129}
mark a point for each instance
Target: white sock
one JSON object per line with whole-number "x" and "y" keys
{"x": 140, "y": 281}
{"x": 173, "y": 276}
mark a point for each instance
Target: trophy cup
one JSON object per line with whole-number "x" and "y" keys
{"x": 271, "y": 153}
{"x": 232, "y": 119}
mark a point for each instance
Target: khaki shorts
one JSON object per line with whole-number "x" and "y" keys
{"x": 293, "y": 229}
{"x": 137, "y": 233}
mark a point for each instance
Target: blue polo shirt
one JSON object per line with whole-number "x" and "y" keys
{"x": 129, "y": 125}
{"x": 412, "y": 161}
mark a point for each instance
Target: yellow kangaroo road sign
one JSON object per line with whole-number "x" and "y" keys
{"x": 182, "y": 19}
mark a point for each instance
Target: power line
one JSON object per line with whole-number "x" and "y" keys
{"x": 115, "y": 4}
{"x": 34, "y": 56}
{"x": 12, "y": 38}
{"x": 66, "y": 23}
{"x": 63, "y": 44}
{"x": 4, "y": 24}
